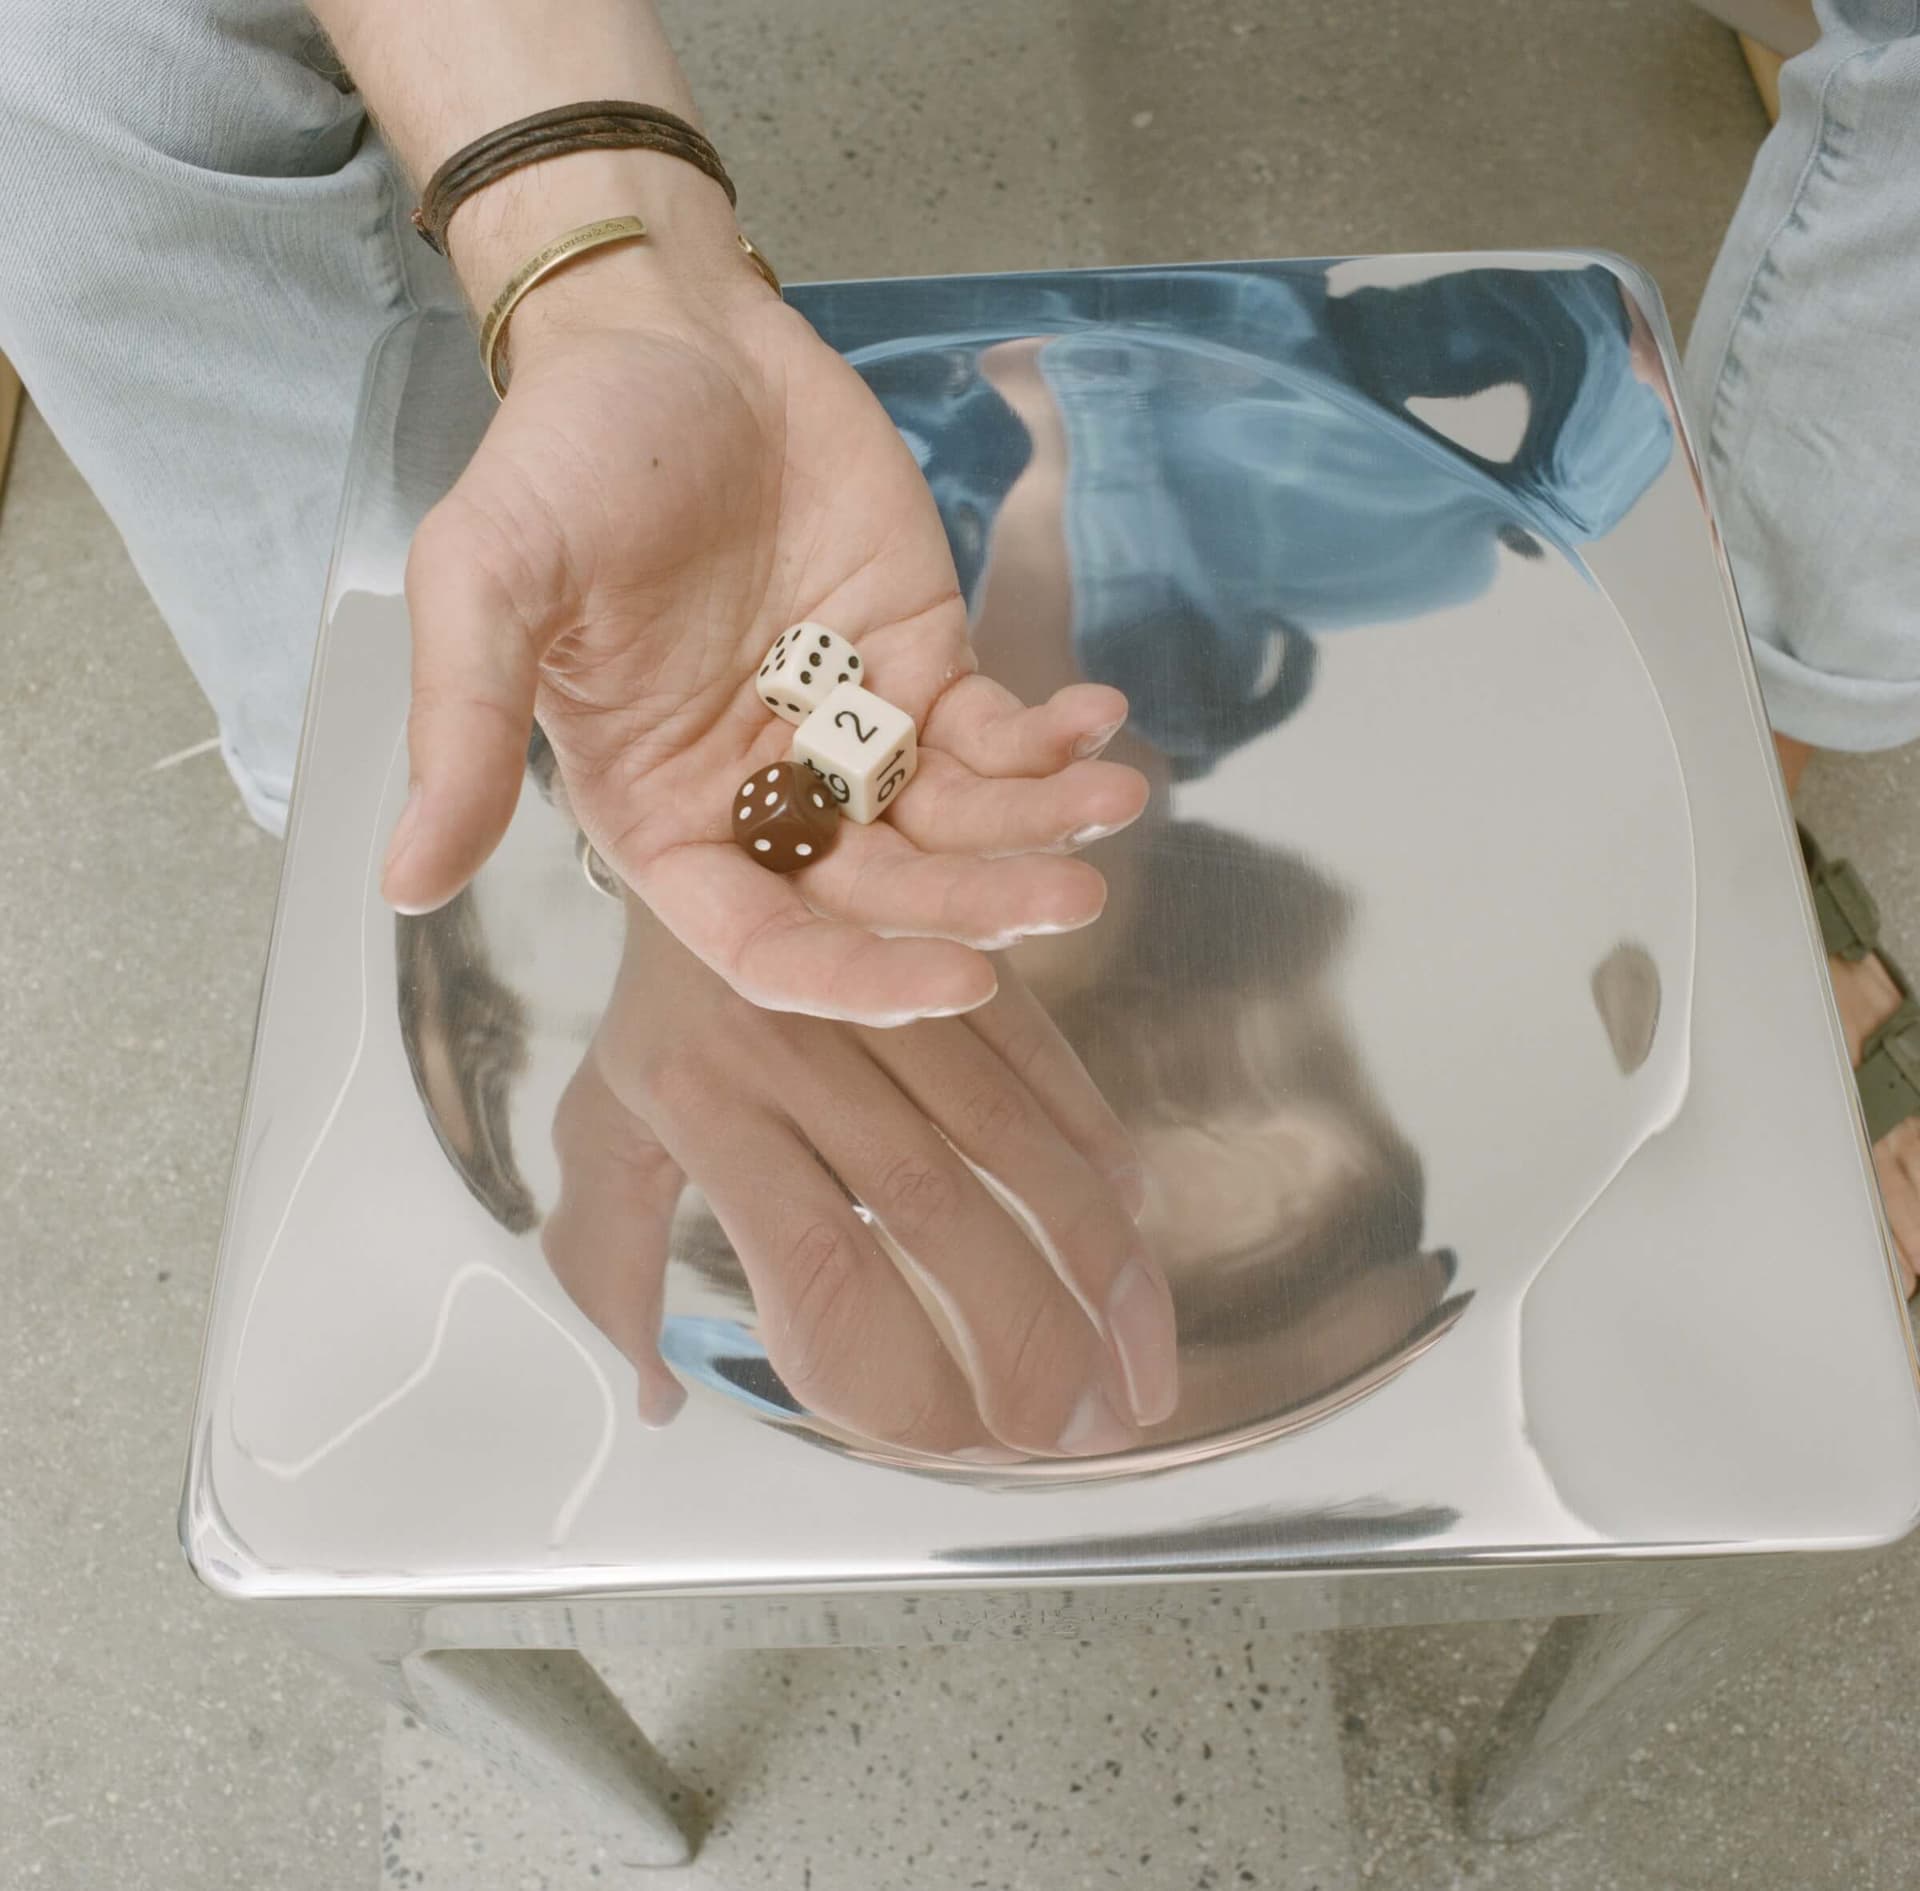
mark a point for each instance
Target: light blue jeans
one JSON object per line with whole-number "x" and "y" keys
{"x": 202, "y": 240}
{"x": 1803, "y": 385}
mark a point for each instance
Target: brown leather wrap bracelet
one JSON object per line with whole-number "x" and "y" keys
{"x": 600, "y": 125}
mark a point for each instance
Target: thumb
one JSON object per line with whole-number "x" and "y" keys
{"x": 474, "y": 670}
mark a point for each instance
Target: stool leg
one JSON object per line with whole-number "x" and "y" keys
{"x": 549, "y": 1719}
{"x": 1599, "y": 1687}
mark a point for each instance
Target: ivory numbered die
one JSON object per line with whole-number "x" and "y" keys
{"x": 864, "y": 749}
{"x": 803, "y": 668}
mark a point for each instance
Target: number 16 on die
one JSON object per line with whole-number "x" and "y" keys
{"x": 863, "y": 747}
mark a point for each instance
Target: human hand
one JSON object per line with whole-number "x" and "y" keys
{"x": 672, "y": 480}
{"x": 995, "y": 1343}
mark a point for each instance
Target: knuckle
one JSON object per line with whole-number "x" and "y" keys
{"x": 1091, "y": 1227}
{"x": 821, "y": 1268}
{"x": 992, "y": 1115}
{"x": 577, "y": 1126}
{"x": 917, "y": 1418}
{"x": 486, "y": 725}
{"x": 1022, "y": 1049}
{"x": 438, "y": 533}
{"x": 914, "y": 1195}
{"x": 447, "y": 544}
{"x": 557, "y": 1244}
{"x": 678, "y": 1081}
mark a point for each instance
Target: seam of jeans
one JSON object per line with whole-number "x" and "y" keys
{"x": 1753, "y": 299}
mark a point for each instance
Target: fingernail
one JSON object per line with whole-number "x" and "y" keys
{"x": 403, "y": 830}
{"x": 1095, "y": 1429}
{"x": 988, "y": 1454}
{"x": 958, "y": 1010}
{"x": 1098, "y": 830}
{"x": 1140, "y": 1325}
{"x": 1091, "y": 744}
{"x": 660, "y": 1400}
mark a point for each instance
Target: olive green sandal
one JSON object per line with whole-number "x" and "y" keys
{"x": 1889, "y": 1072}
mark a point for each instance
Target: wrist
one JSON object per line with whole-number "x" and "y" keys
{"x": 690, "y": 256}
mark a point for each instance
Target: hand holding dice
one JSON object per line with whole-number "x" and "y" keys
{"x": 910, "y": 816}
{"x": 852, "y": 752}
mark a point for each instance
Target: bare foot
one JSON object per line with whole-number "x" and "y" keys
{"x": 1794, "y": 757}
{"x": 1867, "y": 997}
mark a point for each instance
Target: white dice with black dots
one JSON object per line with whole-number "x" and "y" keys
{"x": 801, "y": 669}
{"x": 864, "y": 749}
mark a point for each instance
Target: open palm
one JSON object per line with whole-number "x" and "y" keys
{"x": 649, "y": 510}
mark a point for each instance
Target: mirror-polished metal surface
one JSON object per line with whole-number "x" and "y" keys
{"x": 1457, "y": 990}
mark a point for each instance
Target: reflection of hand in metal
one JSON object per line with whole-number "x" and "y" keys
{"x": 607, "y": 1237}
{"x": 990, "y": 1287}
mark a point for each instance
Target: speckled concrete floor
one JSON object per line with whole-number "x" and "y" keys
{"x": 150, "y": 1739}
{"x": 147, "y": 1737}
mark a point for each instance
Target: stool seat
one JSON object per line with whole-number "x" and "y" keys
{"x": 1459, "y": 988}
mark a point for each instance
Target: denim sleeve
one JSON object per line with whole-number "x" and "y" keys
{"x": 1595, "y": 438}
{"x": 969, "y": 445}
{"x": 1224, "y": 509}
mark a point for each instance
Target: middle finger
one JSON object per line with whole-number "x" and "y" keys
{"x": 949, "y": 809}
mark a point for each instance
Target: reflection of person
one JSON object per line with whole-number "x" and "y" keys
{"x": 1226, "y": 496}
{"x": 1286, "y": 1208}
{"x": 1283, "y": 1206}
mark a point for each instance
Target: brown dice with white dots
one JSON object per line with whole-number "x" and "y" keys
{"x": 801, "y": 669}
{"x": 784, "y": 817}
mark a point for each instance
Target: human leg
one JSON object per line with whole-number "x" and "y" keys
{"x": 203, "y": 242}
{"x": 1802, "y": 378}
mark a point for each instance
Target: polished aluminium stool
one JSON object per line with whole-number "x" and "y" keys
{"x": 1459, "y": 987}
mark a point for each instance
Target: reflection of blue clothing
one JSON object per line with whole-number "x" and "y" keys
{"x": 725, "y": 1355}
{"x": 968, "y": 443}
{"x": 1244, "y": 473}
{"x": 1596, "y": 437}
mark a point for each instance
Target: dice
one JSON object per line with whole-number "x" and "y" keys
{"x": 784, "y": 817}
{"x": 864, "y": 749}
{"x": 805, "y": 664}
